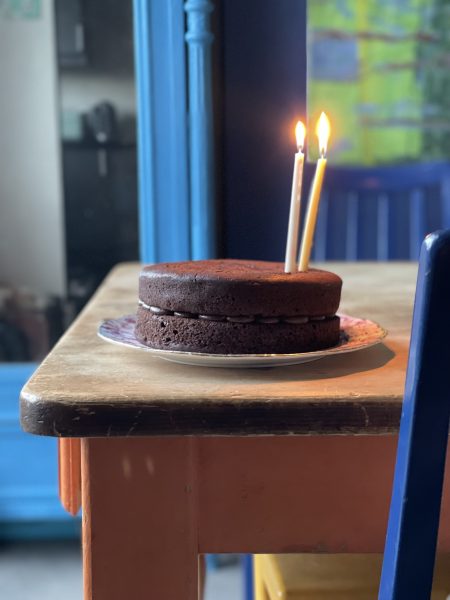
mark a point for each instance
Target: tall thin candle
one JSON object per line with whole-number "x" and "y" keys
{"x": 323, "y": 133}
{"x": 290, "y": 263}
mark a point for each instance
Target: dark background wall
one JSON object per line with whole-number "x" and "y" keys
{"x": 263, "y": 58}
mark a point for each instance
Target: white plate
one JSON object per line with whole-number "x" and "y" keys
{"x": 356, "y": 334}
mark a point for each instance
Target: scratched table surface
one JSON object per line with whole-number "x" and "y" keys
{"x": 87, "y": 387}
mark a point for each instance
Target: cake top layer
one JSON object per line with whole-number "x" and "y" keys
{"x": 239, "y": 287}
{"x": 228, "y": 269}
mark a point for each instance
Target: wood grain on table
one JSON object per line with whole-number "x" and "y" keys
{"x": 88, "y": 387}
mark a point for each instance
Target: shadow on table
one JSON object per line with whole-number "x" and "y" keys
{"x": 341, "y": 365}
{"x": 338, "y": 365}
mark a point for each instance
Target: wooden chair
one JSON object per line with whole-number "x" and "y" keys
{"x": 414, "y": 516}
{"x": 415, "y": 508}
{"x": 331, "y": 576}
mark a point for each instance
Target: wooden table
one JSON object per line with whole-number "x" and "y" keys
{"x": 179, "y": 460}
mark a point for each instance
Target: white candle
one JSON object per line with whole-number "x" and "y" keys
{"x": 290, "y": 262}
{"x": 323, "y": 133}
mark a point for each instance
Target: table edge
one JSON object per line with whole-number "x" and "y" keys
{"x": 253, "y": 417}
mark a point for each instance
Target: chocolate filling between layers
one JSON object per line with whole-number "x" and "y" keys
{"x": 293, "y": 320}
{"x": 170, "y": 332}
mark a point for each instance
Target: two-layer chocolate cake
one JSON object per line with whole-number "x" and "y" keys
{"x": 237, "y": 307}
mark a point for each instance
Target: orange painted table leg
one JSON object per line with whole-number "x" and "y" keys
{"x": 139, "y": 519}
{"x": 69, "y": 467}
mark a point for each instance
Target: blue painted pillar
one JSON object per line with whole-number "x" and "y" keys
{"x": 160, "y": 63}
{"x": 201, "y": 137}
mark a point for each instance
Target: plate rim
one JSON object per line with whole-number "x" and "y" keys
{"x": 339, "y": 349}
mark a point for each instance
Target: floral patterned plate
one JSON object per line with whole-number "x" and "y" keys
{"x": 356, "y": 334}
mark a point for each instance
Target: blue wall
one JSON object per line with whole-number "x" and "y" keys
{"x": 29, "y": 503}
{"x": 264, "y": 93}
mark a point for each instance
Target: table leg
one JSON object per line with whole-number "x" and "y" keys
{"x": 69, "y": 467}
{"x": 139, "y": 519}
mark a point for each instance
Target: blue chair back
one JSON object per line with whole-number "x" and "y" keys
{"x": 416, "y": 498}
{"x": 381, "y": 213}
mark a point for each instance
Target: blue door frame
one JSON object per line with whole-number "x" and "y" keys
{"x": 175, "y": 132}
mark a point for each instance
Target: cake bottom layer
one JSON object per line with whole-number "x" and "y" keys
{"x": 170, "y": 332}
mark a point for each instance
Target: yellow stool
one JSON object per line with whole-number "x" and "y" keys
{"x": 326, "y": 576}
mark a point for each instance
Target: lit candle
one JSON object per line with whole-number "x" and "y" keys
{"x": 290, "y": 263}
{"x": 323, "y": 133}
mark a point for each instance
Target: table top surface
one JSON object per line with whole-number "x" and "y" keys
{"x": 88, "y": 387}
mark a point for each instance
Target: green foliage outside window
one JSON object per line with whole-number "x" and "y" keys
{"x": 381, "y": 69}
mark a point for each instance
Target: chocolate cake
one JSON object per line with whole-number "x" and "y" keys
{"x": 237, "y": 307}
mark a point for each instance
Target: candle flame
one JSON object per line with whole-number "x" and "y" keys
{"x": 300, "y": 134}
{"x": 323, "y": 133}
